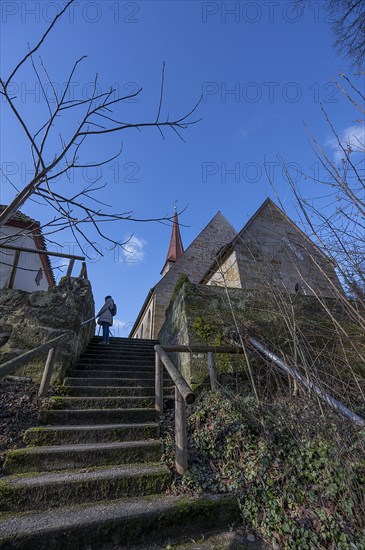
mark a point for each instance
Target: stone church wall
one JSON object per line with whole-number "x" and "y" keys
{"x": 227, "y": 273}
{"x": 194, "y": 263}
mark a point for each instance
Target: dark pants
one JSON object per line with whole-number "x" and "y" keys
{"x": 105, "y": 333}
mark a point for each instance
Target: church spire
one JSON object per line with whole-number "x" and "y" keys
{"x": 176, "y": 249}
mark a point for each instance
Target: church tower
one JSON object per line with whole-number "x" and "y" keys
{"x": 176, "y": 249}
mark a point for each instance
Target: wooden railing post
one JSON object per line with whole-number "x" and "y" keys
{"x": 70, "y": 267}
{"x": 158, "y": 384}
{"x": 83, "y": 271}
{"x": 14, "y": 268}
{"x": 212, "y": 371}
{"x": 181, "y": 451}
{"x": 47, "y": 373}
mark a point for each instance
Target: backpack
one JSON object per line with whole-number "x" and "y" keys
{"x": 113, "y": 310}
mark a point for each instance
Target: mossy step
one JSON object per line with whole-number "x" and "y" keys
{"x": 75, "y": 403}
{"x": 133, "y": 354}
{"x": 44, "y": 491}
{"x": 68, "y": 457}
{"x": 121, "y": 523}
{"x": 125, "y": 373}
{"x": 96, "y": 416}
{"x": 126, "y": 342}
{"x": 105, "y": 391}
{"x": 81, "y": 379}
{"x": 112, "y": 345}
{"x": 118, "y": 367}
{"x": 119, "y": 359}
{"x": 57, "y": 435}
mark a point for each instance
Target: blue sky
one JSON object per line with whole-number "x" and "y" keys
{"x": 263, "y": 69}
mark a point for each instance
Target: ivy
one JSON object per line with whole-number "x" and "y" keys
{"x": 293, "y": 484}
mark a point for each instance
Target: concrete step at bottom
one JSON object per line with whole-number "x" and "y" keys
{"x": 121, "y": 523}
{"x": 65, "y": 435}
{"x": 70, "y": 457}
{"x": 96, "y": 416}
{"x": 53, "y": 490}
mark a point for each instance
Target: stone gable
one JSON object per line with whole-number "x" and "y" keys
{"x": 272, "y": 252}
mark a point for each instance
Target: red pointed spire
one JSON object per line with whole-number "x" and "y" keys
{"x": 176, "y": 249}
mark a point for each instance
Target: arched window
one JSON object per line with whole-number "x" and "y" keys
{"x": 148, "y": 329}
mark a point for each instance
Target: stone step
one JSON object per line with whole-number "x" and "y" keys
{"x": 65, "y": 435}
{"x": 122, "y": 357}
{"x": 69, "y": 457}
{"x": 75, "y": 403}
{"x": 115, "y": 365}
{"x": 121, "y": 347}
{"x": 118, "y": 341}
{"x": 79, "y": 379}
{"x": 121, "y": 523}
{"x": 44, "y": 491}
{"x": 110, "y": 352}
{"x": 105, "y": 391}
{"x": 121, "y": 372}
{"x": 96, "y": 416}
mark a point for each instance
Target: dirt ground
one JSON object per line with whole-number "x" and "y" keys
{"x": 19, "y": 406}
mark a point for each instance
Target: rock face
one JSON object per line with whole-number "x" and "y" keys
{"x": 30, "y": 319}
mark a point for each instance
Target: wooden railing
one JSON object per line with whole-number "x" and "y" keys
{"x": 184, "y": 395}
{"x": 19, "y": 249}
{"x": 52, "y": 348}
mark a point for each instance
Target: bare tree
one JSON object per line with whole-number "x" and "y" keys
{"x": 349, "y": 28}
{"x": 93, "y": 116}
{"x": 348, "y": 24}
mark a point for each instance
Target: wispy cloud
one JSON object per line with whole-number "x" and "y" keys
{"x": 251, "y": 126}
{"x": 121, "y": 328}
{"x": 352, "y": 139}
{"x": 133, "y": 252}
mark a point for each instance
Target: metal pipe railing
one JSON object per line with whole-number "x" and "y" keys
{"x": 331, "y": 401}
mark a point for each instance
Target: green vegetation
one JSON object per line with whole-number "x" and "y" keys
{"x": 299, "y": 478}
{"x": 179, "y": 284}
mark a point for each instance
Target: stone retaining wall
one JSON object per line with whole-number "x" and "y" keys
{"x": 28, "y": 319}
{"x": 204, "y": 315}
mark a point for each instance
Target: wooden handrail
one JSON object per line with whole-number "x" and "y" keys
{"x": 176, "y": 376}
{"x": 21, "y": 360}
{"x": 183, "y": 395}
{"x": 44, "y": 252}
{"x": 19, "y": 249}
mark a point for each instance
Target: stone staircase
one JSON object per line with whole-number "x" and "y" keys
{"x": 91, "y": 476}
